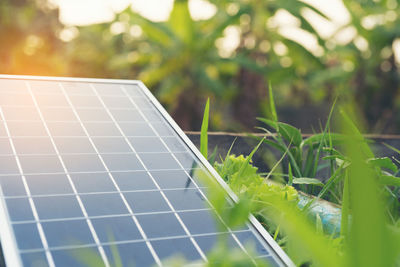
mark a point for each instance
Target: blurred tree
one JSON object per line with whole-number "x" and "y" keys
{"x": 29, "y": 42}
{"x": 178, "y": 59}
{"x": 369, "y": 71}
{"x": 184, "y": 60}
{"x": 264, "y": 53}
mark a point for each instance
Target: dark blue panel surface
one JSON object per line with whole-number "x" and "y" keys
{"x": 93, "y": 173}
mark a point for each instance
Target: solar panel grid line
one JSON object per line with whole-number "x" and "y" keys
{"x": 148, "y": 244}
{"x": 154, "y": 181}
{"x": 81, "y": 172}
{"x": 109, "y": 216}
{"x": 83, "y": 209}
{"x": 31, "y": 203}
{"x": 152, "y": 239}
{"x": 100, "y": 192}
{"x": 78, "y": 154}
{"x": 201, "y": 192}
{"x": 271, "y": 242}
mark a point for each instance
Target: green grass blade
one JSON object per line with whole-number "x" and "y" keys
{"x": 368, "y": 236}
{"x": 316, "y": 160}
{"x": 277, "y": 164}
{"x": 344, "y": 224}
{"x": 204, "y": 131}
{"x": 249, "y": 157}
{"x": 332, "y": 180}
{"x": 282, "y": 146}
{"x": 213, "y": 155}
{"x": 290, "y": 181}
{"x": 272, "y": 103}
{"x": 392, "y": 148}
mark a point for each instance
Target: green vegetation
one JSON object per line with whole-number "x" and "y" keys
{"x": 184, "y": 60}
{"x": 366, "y": 187}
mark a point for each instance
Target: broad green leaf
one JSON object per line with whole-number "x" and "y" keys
{"x": 155, "y": 31}
{"x": 181, "y": 22}
{"x": 218, "y": 30}
{"x": 290, "y": 133}
{"x": 317, "y": 138}
{"x": 389, "y": 180}
{"x": 384, "y": 162}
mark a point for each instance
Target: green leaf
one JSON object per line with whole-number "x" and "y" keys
{"x": 342, "y": 162}
{"x": 344, "y": 224}
{"x": 218, "y": 30}
{"x": 157, "y": 32}
{"x": 389, "y": 180}
{"x": 368, "y": 236}
{"x": 317, "y": 138}
{"x": 290, "y": 182}
{"x": 204, "y": 131}
{"x": 272, "y": 103}
{"x": 311, "y": 181}
{"x": 290, "y": 133}
{"x": 384, "y": 162}
{"x": 248, "y": 159}
{"x": 328, "y": 184}
{"x": 181, "y": 22}
{"x": 213, "y": 155}
{"x": 320, "y": 145}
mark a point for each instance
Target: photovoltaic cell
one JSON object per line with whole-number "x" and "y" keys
{"x": 91, "y": 166}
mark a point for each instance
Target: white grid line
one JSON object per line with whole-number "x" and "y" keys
{"x": 109, "y": 216}
{"x": 89, "y": 153}
{"x": 99, "y": 192}
{"x": 79, "y": 172}
{"x": 135, "y": 241}
{"x": 148, "y": 171}
{"x": 31, "y": 203}
{"x": 150, "y": 247}
{"x": 173, "y": 155}
{"x": 90, "y": 225}
{"x": 194, "y": 242}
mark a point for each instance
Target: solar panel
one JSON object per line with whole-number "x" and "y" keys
{"x": 94, "y": 166}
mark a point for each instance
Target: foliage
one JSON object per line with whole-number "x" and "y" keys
{"x": 368, "y": 239}
{"x": 183, "y": 62}
{"x": 204, "y": 131}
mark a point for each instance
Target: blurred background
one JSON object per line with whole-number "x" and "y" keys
{"x": 186, "y": 51}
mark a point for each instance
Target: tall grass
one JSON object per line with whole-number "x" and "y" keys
{"x": 365, "y": 189}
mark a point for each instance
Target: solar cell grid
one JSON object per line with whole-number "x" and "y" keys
{"x": 95, "y": 165}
